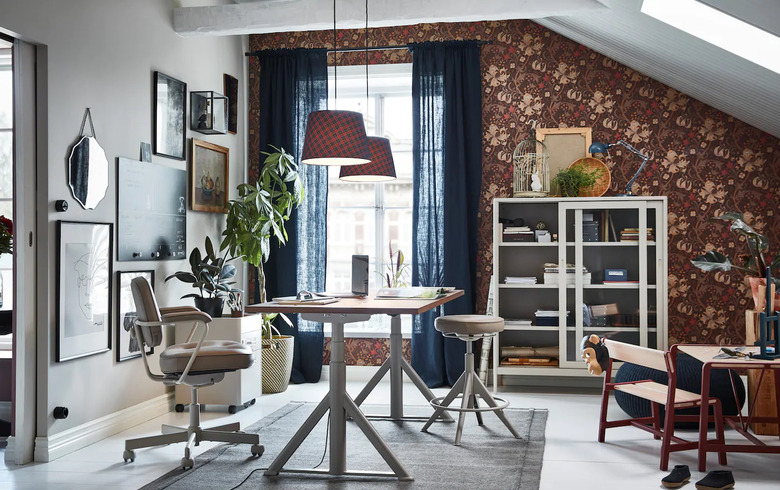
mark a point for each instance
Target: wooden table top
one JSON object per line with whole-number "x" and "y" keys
{"x": 368, "y": 305}
{"x": 707, "y": 353}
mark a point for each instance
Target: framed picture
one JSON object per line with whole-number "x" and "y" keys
{"x": 83, "y": 289}
{"x": 230, "y": 87}
{"x": 127, "y": 346}
{"x": 170, "y": 104}
{"x": 209, "y": 177}
{"x": 565, "y": 146}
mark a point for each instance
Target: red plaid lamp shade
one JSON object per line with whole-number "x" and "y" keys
{"x": 335, "y": 138}
{"x": 380, "y": 168}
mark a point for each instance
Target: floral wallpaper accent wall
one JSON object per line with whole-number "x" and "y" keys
{"x": 705, "y": 161}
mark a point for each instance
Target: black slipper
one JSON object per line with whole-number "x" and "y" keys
{"x": 716, "y": 480}
{"x": 678, "y": 477}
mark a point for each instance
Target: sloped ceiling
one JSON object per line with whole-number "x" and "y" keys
{"x": 716, "y": 77}
{"x": 615, "y": 28}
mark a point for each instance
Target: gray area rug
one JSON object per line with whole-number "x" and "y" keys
{"x": 489, "y": 456}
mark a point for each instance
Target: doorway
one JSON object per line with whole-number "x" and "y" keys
{"x": 6, "y": 241}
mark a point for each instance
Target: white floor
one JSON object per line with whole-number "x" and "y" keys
{"x": 572, "y": 458}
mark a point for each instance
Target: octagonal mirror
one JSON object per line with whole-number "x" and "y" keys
{"x": 88, "y": 172}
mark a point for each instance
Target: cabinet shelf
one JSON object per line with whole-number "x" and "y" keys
{"x": 637, "y": 303}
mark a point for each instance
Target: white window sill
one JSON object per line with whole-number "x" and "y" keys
{"x": 367, "y": 334}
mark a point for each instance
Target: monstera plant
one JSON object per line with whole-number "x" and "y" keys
{"x": 753, "y": 264}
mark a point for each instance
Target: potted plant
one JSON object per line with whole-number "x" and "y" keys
{"x": 570, "y": 181}
{"x": 257, "y": 215}
{"x": 211, "y": 276}
{"x": 753, "y": 264}
{"x": 397, "y": 275}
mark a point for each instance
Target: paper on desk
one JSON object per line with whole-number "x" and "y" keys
{"x": 417, "y": 292}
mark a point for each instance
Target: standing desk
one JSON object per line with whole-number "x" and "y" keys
{"x": 341, "y": 405}
{"x": 706, "y": 354}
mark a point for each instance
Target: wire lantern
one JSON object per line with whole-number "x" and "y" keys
{"x": 531, "y": 167}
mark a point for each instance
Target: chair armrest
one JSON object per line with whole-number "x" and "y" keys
{"x": 176, "y": 309}
{"x": 184, "y": 316}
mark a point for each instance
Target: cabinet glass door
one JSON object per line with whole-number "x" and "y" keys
{"x": 612, "y": 273}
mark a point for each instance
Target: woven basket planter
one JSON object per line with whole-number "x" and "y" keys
{"x": 277, "y": 361}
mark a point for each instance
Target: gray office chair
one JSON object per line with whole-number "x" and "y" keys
{"x": 195, "y": 364}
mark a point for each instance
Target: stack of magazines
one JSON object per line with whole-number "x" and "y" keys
{"x": 552, "y": 274}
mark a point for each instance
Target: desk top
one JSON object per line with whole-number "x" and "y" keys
{"x": 369, "y": 306}
{"x": 707, "y": 353}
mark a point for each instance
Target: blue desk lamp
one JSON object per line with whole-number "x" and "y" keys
{"x": 604, "y": 148}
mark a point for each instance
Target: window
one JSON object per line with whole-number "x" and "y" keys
{"x": 6, "y": 164}
{"x": 368, "y": 218}
{"x": 718, "y": 28}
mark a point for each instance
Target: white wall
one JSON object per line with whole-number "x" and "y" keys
{"x": 102, "y": 55}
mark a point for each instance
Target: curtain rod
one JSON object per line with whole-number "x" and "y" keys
{"x": 362, "y": 49}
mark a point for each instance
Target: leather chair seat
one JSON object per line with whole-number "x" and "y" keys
{"x": 469, "y": 324}
{"x": 214, "y": 356}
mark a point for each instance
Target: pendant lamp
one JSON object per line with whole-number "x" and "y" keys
{"x": 381, "y": 168}
{"x": 335, "y": 137}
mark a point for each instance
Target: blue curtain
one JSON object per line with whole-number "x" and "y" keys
{"x": 447, "y": 152}
{"x": 293, "y": 83}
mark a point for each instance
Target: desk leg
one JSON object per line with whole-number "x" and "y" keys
{"x": 338, "y": 388}
{"x": 704, "y": 411}
{"x": 396, "y": 375}
{"x": 299, "y": 437}
{"x": 339, "y": 403}
{"x": 397, "y": 365}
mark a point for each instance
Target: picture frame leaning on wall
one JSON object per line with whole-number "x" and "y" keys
{"x": 84, "y": 252}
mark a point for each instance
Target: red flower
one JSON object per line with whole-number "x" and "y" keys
{"x": 7, "y": 223}
{"x": 6, "y": 235}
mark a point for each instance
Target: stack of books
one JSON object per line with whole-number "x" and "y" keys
{"x": 549, "y": 318}
{"x": 520, "y": 280}
{"x": 517, "y": 322}
{"x": 529, "y": 356}
{"x": 517, "y": 234}
{"x": 632, "y": 235}
{"x": 590, "y": 228}
{"x": 552, "y": 274}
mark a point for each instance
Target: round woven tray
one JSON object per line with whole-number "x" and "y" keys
{"x": 602, "y": 184}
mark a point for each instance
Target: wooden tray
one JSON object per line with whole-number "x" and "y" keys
{"x": 602, "y": 185}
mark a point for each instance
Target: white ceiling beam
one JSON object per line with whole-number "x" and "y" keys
{"x": 316, "y": 15}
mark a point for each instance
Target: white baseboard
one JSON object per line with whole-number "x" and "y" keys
{"x": 65, "y": 442}
{"x": 10, "y": 451}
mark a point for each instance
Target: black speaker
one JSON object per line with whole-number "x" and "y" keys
{"x": 360, "y": 275}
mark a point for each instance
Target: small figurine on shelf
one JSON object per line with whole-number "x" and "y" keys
{"x": 536, "y": 181}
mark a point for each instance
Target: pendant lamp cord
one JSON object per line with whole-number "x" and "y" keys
{"x": 335, "y": 62}
{"x": 366, "y": 57}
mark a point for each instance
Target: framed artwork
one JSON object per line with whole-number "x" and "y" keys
{"x": 565, "y": 146}
{"x": 170, "y": 104}
{"x": 83, "y": 289}
{"x": 209, "y": 177}
{"x": 230, "y": 89}
{"x": 127, "y": 346}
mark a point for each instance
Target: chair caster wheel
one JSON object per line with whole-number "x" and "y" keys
{"x": 252, "y": 401}
{"x": 257, "y": 450}
{"x": 128, "y": 456}
{"x": 179, "y": 407}
{"x": 187, "y": 463}
{"x": 232, "y": 409}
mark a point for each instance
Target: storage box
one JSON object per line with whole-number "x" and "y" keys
{"x": 615, "y": 275}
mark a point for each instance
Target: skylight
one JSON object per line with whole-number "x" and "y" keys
{"x": 718, "y": 28}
